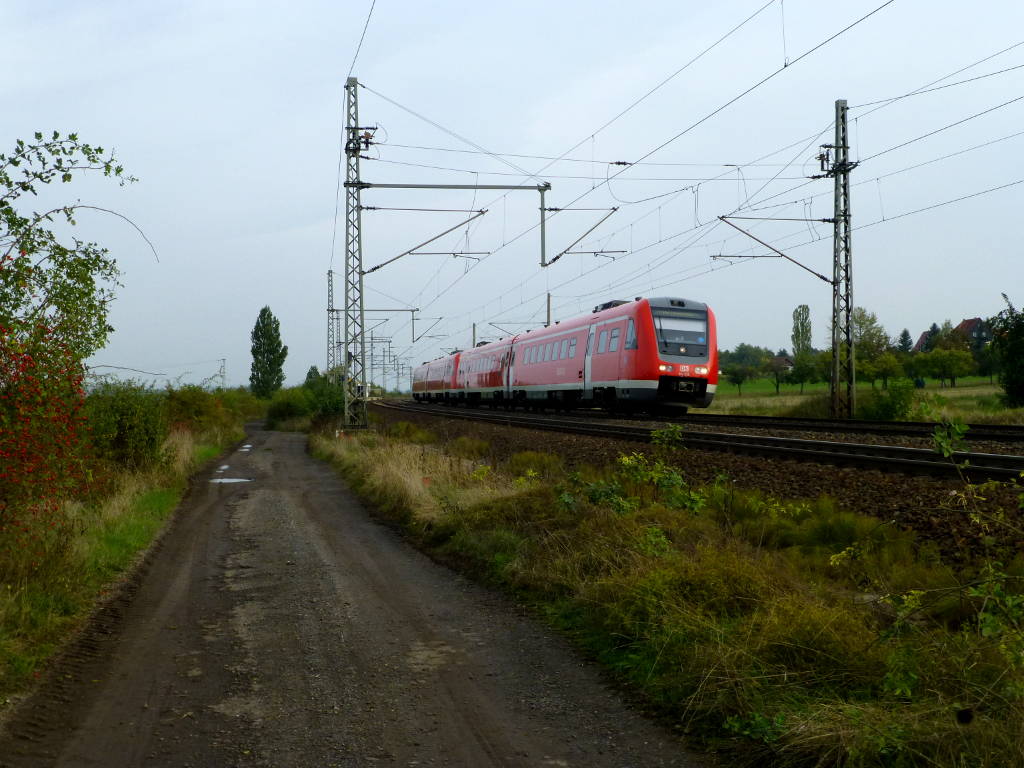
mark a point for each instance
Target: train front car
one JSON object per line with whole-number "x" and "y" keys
{"x": 684, "y": 359}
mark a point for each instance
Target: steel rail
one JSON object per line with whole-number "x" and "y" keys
{"x": 976, "y": 466}
{"x": 998, "y": 432}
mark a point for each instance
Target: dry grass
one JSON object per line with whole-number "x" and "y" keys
{"x": 418, "y": 478}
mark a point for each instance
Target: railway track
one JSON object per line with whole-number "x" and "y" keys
{"x": 997, "y": 432}
{"x": 891, "y": 458}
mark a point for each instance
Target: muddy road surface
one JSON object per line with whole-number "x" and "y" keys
{"x": 275, "y": 624}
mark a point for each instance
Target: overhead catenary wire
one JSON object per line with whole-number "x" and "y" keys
{"x": 751, "y": 196}
{"x": 359, "y": 47}
{"x": 725, "y": 105}
{"x": 450, "y": 132}
{"x": 561, "y": 159}
{"x": 761, "y": 82}
{"x": 905, "y": 169}
{"x": 623, "y": 112}
{"x": 944, "y": 77}
{"x": 990, "y": 190}
{"x": 943, "y": 128}
{"x": 920, "y": 92}
{"x": 579, "y": 177}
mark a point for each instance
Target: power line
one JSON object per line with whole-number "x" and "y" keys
{"x": 606, "y": 124}
{"x": 892, "y": 173}
{"x": 360, "y": 46}
{"x": 450, "y": 132}
{"x": 745, "y": 92}
{"x": 943, "y": 128}
{"x": 944, "y": 77}
{"x": 674, "y": 138}
{"x": 938, "y": 88}
{"x": 701, "y": 179}
{"x": 944, "y": 203}
{"x": 563, "y": 159}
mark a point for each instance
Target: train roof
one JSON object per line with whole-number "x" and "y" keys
{"x": 676, "y": 302}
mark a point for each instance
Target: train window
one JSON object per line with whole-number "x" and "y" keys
{"x": 565, "y": 349}
{"x": 529, "y": 355}
{"x": 602, "y": 342}
{"x": 631, "y": 335}
{"x": 572, "y": 348}
{"x": 682, "y": 332}
{"x": 613, "y": 341}
{"x": 547, "y": 352}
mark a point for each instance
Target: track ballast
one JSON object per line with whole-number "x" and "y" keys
{"x": 892, "y": 458}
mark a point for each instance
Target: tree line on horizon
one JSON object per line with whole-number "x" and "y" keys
{"x": 946, "y": 354}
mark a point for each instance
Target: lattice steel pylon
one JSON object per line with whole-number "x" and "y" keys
{"x": 331, "y": 371}
{"x": 843, "y": 368}
{"x": 353, "y": 341}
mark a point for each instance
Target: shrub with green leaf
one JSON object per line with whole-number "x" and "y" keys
{"x": 128, "y": 423}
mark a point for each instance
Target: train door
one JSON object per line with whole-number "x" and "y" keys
{"x": 510, "y": 359}
{"x": 587, "y": 358}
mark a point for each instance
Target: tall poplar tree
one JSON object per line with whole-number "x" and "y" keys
{"x": 801, "y": 330}
{"x": 268, "y": 354}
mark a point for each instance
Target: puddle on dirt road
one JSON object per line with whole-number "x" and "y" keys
{"x": 222, "y": 467}
{"x": 231, "y": 480}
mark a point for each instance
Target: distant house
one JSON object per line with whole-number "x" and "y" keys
{"x": 781, "y": 362}
{"x": 921, "y": 341}
{"x": 976, "y": 331}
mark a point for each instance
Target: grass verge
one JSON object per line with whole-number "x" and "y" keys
{"x": 790, "y": 632}
{"x": 101, "y": 542}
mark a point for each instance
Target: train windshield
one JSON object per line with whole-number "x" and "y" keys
{"x": 681, "y": 331}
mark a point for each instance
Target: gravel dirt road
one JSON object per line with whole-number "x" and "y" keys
{"x": 275, "y": 624}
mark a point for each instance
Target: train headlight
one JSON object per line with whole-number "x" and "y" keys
{"x": 701, "y": 370}
{"x": 665, "y": 368}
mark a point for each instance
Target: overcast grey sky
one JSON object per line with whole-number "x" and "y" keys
{"x": 229, "y": 113}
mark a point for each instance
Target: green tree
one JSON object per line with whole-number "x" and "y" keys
{"x": 801, "y": 335}
{"x": 950, "y": 338}
{"x": 738, "y": 373}
{"x": 804, "y": 370}
{"x": 869, "y": 337}
{"x": 905, "y": 342}
{"x": 268, "y": 355}
{"x": 1008, "y": 348}
{"x": 823, "y": 365}
{"x": 867, "y": 371}
{"x": 749, "y": 355}
{"x": 778, "y": 370}
{"x": 888, "y": 366}
{"x": 312, "y": 377}
{"x": 945, "y": 364}
{"x": 931, "y": 337}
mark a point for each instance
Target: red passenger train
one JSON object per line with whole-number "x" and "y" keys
{"x": 638, "y": 354}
